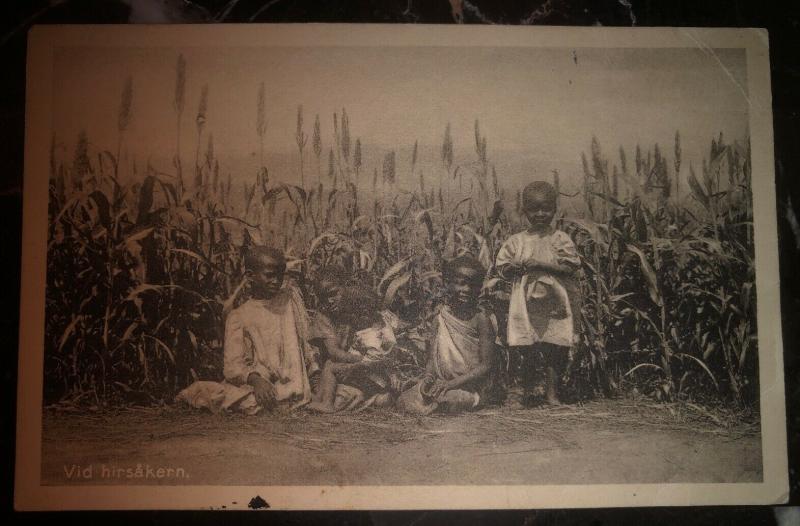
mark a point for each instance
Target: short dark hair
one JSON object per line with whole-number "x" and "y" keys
{"x": 464, "y": 261}
{"x": 538, "y": 188}
{"x": 361, "y": 303}
{"x": 333, "y": 274}
{"x": 254, "y": 257}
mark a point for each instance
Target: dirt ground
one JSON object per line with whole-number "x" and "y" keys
{"x": 609, "y": 441}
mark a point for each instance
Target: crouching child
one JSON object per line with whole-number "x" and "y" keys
{"x": 358, "y": 346}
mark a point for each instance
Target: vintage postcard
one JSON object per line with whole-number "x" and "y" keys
{"x": 398, "y": 267}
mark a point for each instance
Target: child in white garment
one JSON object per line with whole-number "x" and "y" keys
{"x": 540, "y": 263}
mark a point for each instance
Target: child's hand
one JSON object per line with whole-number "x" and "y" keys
{"x": 534, "y": 265}
{"x": 263, "y": 390}
{"x": 511, "y": 271}
{"x": 426, "y": 378}
{"x": 545, "y": 266}
{"x": 439, "y": 388}
{"x": 373, "y": 354}
{"x": 396, "y": 384}
{"x": 354, "y": 358}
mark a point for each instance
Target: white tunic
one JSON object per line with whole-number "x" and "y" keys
{"x": 269, "y": 338}
{"x": 540, "y": 307}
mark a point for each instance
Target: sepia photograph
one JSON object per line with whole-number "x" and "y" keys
{"x": 340, "y": 267}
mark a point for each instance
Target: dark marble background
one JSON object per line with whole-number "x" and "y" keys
{"x": 782, "y": 21}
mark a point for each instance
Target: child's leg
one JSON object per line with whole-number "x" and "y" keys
{"x": 555, "y": 357}
{"x": 326, "y": 393}
{"x": 528, "y": 373}
{"x": 458, "y": 400}
{"x": 374, "y": 380}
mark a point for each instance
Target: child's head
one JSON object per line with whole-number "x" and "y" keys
{"x": 539, "y": 203}
{"x": 265, "y": 267}
{"x": 328, "y": 288}
{"x": 358, "y": 306}
{"x": 463, "y": 277}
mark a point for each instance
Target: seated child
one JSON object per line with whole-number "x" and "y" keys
{"x": 458, "y": 374}
{"x": 368, "y": 337}
{"x": 540, "y": 263}
{"x": 265, "y": 349}
{"x": 265, "y": 338}
{"x": 331, "y": 339}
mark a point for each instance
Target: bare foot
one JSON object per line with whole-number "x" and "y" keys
{"x": 529, "y": 400}
{"x": 319, "y": 407}
{"x": 551, "y": 396}
{"x": 383, "y": 400}
{"x": 553, "y": 400}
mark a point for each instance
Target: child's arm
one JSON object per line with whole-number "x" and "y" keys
{"x": 486, "y": 339}
{"x": 430, "y": 371}
{"x": 510, "y": 271}
{"x": 325, "y": 397}
{"x": 238, "y": 362}
{"x": 337, "y": 354}
{"x": 325, "y": 336}
{"x": 567, "y": 261}
{"x": 506, "y": 265}
{"x": 559, "y": 268}
{"x": 240, "y": 369}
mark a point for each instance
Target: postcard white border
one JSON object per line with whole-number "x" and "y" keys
{"x": 31, "y": 495}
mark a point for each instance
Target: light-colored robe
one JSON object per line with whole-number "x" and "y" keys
{"x": 268, "y": 337}
{"x": 540, "y": 306}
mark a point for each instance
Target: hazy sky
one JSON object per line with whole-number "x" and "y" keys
{"x": 541, "y": 104}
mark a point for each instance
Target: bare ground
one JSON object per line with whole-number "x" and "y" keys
{"x": 608, "y": 441}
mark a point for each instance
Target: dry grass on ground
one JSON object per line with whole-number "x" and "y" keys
{"x": 374, "y": 427}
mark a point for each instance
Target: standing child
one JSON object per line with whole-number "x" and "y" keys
{"x": 540, "y": 263}
{"x": 458, "y": 375}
